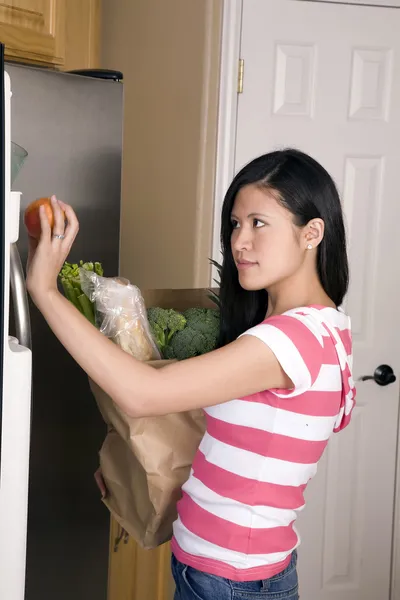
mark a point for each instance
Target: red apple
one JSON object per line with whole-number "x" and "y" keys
{"x": 32, "y": 216}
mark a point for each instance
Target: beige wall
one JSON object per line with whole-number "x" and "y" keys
{"x": 169, "y": 54}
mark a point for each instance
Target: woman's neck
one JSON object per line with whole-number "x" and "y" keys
{"x": 295, "y": 292}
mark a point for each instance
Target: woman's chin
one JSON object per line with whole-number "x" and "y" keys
{"x": 250, "y": 284}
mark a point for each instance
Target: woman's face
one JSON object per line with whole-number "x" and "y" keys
{"x": 267, "y": 246}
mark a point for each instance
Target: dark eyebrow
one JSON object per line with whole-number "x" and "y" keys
{"x": 257, "y": 214}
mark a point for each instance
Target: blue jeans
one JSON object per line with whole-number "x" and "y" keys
{"x": 192, "y": 584}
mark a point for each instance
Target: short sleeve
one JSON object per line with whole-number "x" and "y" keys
{"x": 297, "y": 342}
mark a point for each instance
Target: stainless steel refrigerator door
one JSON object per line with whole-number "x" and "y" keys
{"x": 71, "y": 127}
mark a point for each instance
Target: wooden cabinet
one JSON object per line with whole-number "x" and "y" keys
{"x": 137, "y": 574}
{"x": 34, "y": 30}
{"x": 62, "y": 34}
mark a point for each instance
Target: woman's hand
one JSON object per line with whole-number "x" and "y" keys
{"x": 47, "y": 256}
{"x": 98, "y": 477}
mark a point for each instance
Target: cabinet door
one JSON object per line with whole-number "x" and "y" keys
{"x": 34, "y": 30}
{"x": 137, "y": 574}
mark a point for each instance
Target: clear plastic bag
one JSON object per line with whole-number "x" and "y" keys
{"x": 120, "y": 314}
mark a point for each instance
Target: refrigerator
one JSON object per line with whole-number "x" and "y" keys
{"x": 54, "y": 529}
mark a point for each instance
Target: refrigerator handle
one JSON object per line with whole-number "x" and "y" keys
{"x": 20, "y": 299}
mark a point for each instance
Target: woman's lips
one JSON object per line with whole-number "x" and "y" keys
{"x": 245, "y": 264}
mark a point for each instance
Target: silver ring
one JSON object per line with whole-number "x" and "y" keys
{"x": 59, "y": 236}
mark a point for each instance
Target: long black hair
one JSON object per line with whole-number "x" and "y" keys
{"x": 307, "y": 190}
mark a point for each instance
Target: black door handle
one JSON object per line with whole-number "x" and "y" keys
{"x": 383, "y": 375}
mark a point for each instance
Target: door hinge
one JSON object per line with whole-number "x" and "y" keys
{"x": 240, "y": 76}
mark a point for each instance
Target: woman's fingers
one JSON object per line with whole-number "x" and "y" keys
{"x": 72, "y": 228}
{"x": 59, "y": 219}
{"x": 45, "y": 225}
{"x": 47, "y": 258}
{"x": 65, "y": 221}
{"x": 100, "y": 482}
{"x": 33, "y": 243}
{"x": 63, "y": 205}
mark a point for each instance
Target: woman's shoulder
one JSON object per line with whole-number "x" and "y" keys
{"x": 306, "y": 339}
{"x": 314, "y": 317}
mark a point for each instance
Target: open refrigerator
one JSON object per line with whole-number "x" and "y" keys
{"x": 15, "y": 372}
{"x": 60, "y": 133}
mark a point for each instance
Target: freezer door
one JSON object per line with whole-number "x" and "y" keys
{"x": 15, "y": 399}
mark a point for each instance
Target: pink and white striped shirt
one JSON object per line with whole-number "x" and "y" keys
{"x": 238, "y": 508}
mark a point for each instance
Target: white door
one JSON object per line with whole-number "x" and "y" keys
{"x": 15, "y": 382}
{"x": 325, "y": 78}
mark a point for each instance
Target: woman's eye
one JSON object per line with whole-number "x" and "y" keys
{"x": 235, "y": 224}
{"x": 258, "y": 223}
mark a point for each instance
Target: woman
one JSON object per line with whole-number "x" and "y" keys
{"x": 275, "y": 390}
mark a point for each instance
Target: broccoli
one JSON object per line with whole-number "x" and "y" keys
{"x": 205, "y": 320}
{"x": 184, "y": 335}
{"x": 198, "y": 337}
{"x": 188, "y": 343}
{"x": 164, "y": 323}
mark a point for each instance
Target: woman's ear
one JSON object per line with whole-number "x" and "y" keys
{"x": 313, "y": 233}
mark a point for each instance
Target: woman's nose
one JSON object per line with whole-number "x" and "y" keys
{"x": 242, "y": 240}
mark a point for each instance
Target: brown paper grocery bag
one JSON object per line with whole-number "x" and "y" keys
{"x": 144, "y": 463}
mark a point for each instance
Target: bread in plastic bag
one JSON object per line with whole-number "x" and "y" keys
{"x": 120, "y": 314}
